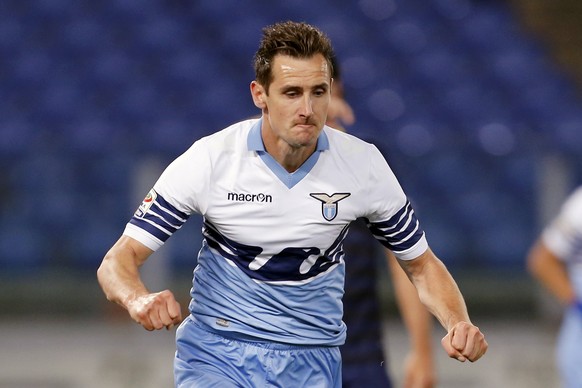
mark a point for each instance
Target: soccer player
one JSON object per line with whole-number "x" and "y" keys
{"x": 364, "y": 359}
{"x": 277, "y": 195}
{"x": 555, "y": 260}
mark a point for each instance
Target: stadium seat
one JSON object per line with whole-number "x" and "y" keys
{"x": 23, "y": 248}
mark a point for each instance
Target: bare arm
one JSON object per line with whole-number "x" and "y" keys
{"x": 547, "y": 268}
{"x": 419, "y": 366}
{"x": 439, "y": 292}
{"x": 119, "y": 278}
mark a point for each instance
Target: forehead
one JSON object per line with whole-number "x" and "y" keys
{"x": 290, "y": 70}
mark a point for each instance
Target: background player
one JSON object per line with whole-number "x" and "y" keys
{"x": 555, "y": 261}
{"x": 277, "y": 195}
{"x": 364, "y": 360}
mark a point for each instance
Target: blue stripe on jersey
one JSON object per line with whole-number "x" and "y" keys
{"x": 161, "y": 220}
{"x": 292, "y": 264}
{"x": 401, "y": 232}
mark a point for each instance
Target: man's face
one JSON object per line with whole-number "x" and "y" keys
{"x": 296, "y": 106}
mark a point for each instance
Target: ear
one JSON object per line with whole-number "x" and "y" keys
{"x": 258, "y": 94}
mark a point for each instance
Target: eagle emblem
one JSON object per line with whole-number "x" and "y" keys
{"x": 329, "y": 203}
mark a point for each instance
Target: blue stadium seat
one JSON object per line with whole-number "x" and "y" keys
{"x": 568, "y": 134}
{"x": 487, "y": 28}
{"x": 517, "y": 67}
{"x": 60, "y": 102}
{"x": 518, "y": 174}
{"x": 407, "y": 36}
{"x": 170, "y": 135}
{"x": 91, "y": 242}
{"x": 448, "y": 240}
{"x": 10, "y": 31}
{"x": 241, "y": 37}
{"x": 90, "y": 135}
{"x": 504, "y": 246}
{"x": 184, "y": 68}
{"x": 452, "y": 173}
{"x": 130, "y": 11}
{"x": 16, "y": 135}
{"x": 23, "y": 248}
{"x": 39, "y": 173}
{"x": 83, "y": 36}
{"x": 31, "y": 68}
{"x": 113, "y": 66}
{"x": 453, "y": 10}
{"x": 439, "y": 67}
{"x": 160, "y": 36}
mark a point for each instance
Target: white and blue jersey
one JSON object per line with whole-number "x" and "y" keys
{"x": 271, "y": 265}
{"x": 563, "y": 237}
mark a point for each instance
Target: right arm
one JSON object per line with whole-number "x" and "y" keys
{"x": 120, "y": 280}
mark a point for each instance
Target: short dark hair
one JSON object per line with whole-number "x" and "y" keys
{"x": 296, "y": 39}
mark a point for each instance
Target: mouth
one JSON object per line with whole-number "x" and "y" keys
{"x": 305, "y": 125}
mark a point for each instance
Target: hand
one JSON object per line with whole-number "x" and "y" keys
{"x": 465, "y": 342}
{"x": 419, "y": 371}
{"x": 155, "y": 311}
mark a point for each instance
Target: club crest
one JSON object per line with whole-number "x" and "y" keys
{"x": 329, "y": 203}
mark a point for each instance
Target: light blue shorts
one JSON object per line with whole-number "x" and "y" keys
{"x": 206, "y": 359}
{"x": 569, "y": 349}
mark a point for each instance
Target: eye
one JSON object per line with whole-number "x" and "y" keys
{"x": 319, "y": 92}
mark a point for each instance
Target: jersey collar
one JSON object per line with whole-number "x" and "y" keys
{"x": 255, "y": 143}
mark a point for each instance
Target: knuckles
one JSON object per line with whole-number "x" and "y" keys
{"x": 465, "y": 342}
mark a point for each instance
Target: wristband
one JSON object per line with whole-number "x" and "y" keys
{"x": 577, "y": 305}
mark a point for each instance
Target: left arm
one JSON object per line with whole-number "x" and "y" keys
{"x": 439, "y": 292}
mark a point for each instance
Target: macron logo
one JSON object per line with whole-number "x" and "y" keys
{"x": 245, "y": 197}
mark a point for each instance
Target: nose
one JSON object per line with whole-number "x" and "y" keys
{"x": 306, "y": 109}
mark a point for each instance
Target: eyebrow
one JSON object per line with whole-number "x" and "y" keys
{"x": 324, "y": 85}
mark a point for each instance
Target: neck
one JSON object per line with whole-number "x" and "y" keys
{"x": 288, "y": 150}
{"x": 290, "y": 158}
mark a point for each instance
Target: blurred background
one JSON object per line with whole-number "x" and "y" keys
{"x": 475, "y": 103}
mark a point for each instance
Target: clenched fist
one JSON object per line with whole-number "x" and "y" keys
{"x": 465, "y": 342}
{"x": 156, "y": 310}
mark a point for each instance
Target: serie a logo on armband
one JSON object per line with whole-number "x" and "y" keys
{"x": 146, "y": 204}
